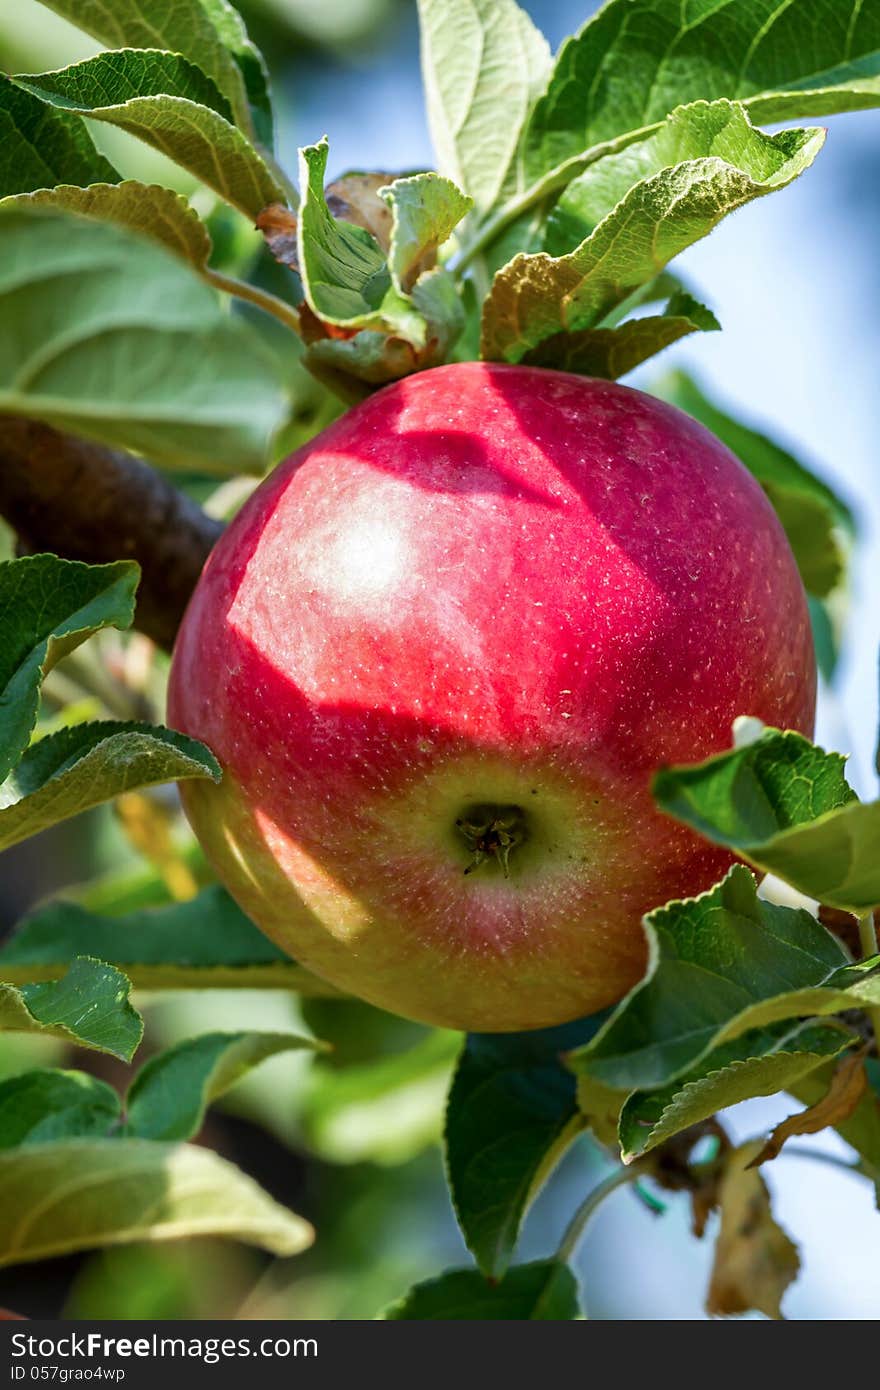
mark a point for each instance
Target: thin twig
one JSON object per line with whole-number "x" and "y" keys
{"x": 263, "y": 299}
{"x": 820, "y": 1156}
{"x": 621, "y": 1177}
{"x": 88, "y": 502}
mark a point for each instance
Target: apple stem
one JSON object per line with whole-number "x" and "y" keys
{"x": 621, "y": 1177}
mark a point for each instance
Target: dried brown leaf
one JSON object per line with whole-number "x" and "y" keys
{"x": 672, "y": 1167}
{"x": 671, "y": 1161}
{"x": 755, "y": 1261}
{"x": 704, "y": 1200}
{"x": 278, "y": 225}
{"x": 848, "y": 1085}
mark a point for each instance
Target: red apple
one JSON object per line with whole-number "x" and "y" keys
{"x": 439, "y": 654}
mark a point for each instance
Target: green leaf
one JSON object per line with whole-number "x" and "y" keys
{"x": 137, "y": 884}
{"x": 638, "y": 59}
{"x": 825, "y": 637}
{"x": 345, "y": 276}
{"x": 522, "y": 235}
{"x": 108, "y": 335}
{"x": 168, "y": 218}
{"x": 512, "y": 1112}
{"x": 210, "y": 33}
{"x": 545, "y": 1290}
{"x": 348, "y": 284}
{"x": 250, "y": 63}
{"x": 751, "y": 793}
{"x": 483, "y": 63}
{"x": 376, "y": 357}
{"x": 207, "y": 943}
{"x": 170, "y": 104}
{"x": 704, "y": 130}
{"x": 40, "y": 146}
{"x": 757, "y": 1064}
{"x": 600, "y": 1106}
{"x": 384, "y": 1111}
{"x": 536, "y": 296}
{"x": 784, "y": 805}
{"x": 109, "y": 80}
{"x": 74, "y": 1195}
{"x": 663, "y": 286}
{"x": 612, "y": 352}
{"x": 167, "y": 1100}
{"x": 44, "y": 1106}
{"x": 170, "y": 1095}
{"x": 80, "y": 767}
{"x": 820, "y": 554}
{"x": 148, "y": 208}
{"x": 850, "y": 987}
{"x": 712, "y": 959}
{"x": 48, "y": 606}
{"x": 350, "y": 367}
{"x": 89, "y": 1008}
{"x": 815, "y": 519}
{"x": 425, "y": 209}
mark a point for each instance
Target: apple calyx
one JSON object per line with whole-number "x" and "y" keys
{"x": 492, "y": 833}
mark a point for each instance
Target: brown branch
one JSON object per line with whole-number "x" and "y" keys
{"x": 88, "y": 502}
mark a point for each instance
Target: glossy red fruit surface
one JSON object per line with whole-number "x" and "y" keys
{"x": 439, "y": 654}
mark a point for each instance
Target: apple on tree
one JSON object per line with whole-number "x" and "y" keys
{"x": 443, "y": 650}
{"x": 439, "y": 655}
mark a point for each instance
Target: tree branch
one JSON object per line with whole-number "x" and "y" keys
{"x": 88, "y": 502}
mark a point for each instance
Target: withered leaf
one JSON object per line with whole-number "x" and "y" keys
{"x": 755, "y": 1261}
{"x": 673, "y": 1168}
{"x": 278, "y": 225}
{"x": 704, "y": 1200}
{"x": 848, "y": 1085}
{"x": 315, "y": 330}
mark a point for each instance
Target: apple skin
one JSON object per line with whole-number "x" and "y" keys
{"x": 485, "y": 585}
